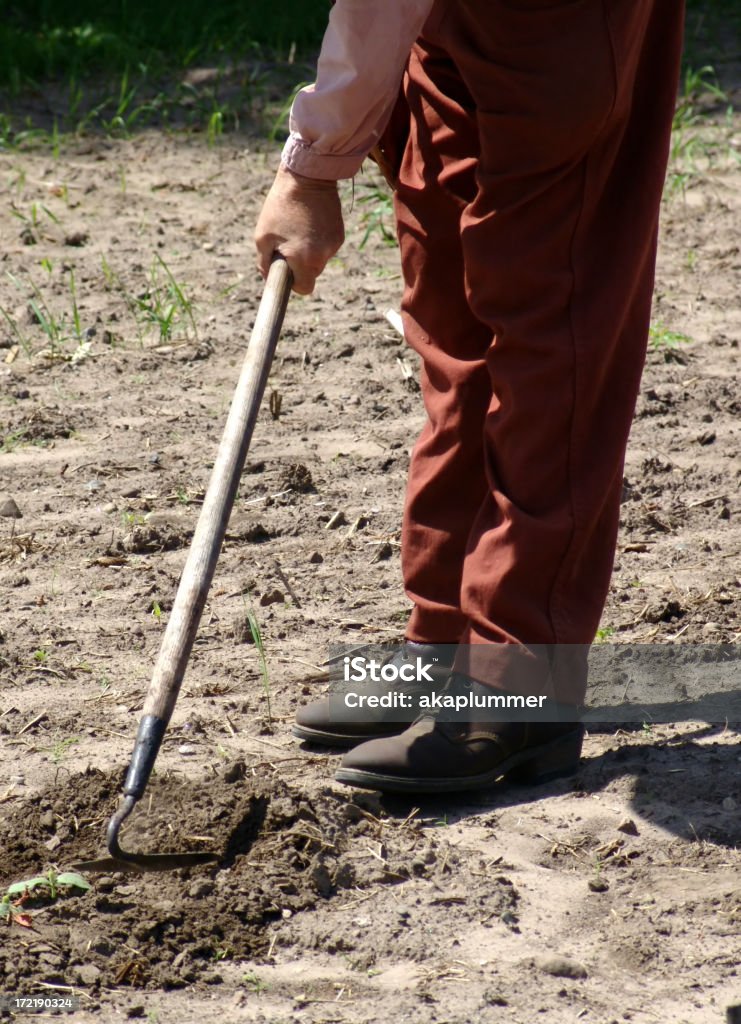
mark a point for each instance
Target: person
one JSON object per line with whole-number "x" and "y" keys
{"x": 528, "y": 147}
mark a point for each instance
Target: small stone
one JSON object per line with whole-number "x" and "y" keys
{"x": 725, "y": 513}
{"x": 100, "y": 945}
{"x": 729, "y": 804}
{"x": 560, "y": 967}
{"x": 598, "y": 885}
{"x": 201, "y": 890}
{"x": 186, "y": 750}
{"x": 315, "y": 558}
{"x": 18, "y": 780}
{"x": 709, "y": 628}
{"x": 286, "y": 914}
{"x": 384, "y": 552}
{"x": 138, "y": 1010}
{"x": 490, "y": 997}
{"x": 109, "y": 508}
{"x": 50, "y": 960}
{"x": 9, "y": 509}
{"x": 628, "y": 826}
{"x": 94, "y": 485}
{"x": 344, "y": 876}
{"x": 88, "y": 974}
{"x": 321, "y": 880}
{"x": 131, "y": 492}
{"x": 47, "y": 820}
{"x": 235, "y": 772}
{"x": 272, "y": 597}
{"x": 155, "y": 458}
{"x": 21, "y": 394}
{"x": 297, "y": 477}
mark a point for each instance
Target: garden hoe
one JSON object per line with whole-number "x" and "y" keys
{"x": 196, "y": 579}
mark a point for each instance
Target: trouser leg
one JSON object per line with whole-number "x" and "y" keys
{"x": 571, "y": 105}
{"x": 446, "y": 479}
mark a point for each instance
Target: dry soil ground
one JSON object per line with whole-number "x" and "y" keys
{"x": 326, "y": 905}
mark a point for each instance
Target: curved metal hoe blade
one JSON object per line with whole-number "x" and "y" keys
{"x": 123, "y": 860}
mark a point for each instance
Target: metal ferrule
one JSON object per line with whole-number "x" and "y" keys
{"x": 148, "y": 740}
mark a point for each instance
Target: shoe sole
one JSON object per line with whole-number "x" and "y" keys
{"x": 343, "y": 741}
{"x": 555, "y": 760}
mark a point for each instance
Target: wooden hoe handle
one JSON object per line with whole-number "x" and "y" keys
{"x": 195, "y": 581}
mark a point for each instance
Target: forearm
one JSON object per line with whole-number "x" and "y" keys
{"x": 337, "y": 121}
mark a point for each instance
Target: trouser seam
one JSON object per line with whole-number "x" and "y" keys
{"x": 553, "y": 610}
{"x": 556, "y": 615}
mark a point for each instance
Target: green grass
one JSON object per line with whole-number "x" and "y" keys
{"x": 64, "y": 333}
{"x": 661, "y": 337}
{"x": 713, "y": 34}
{"x": 260, "y": 645}
{"x": 378, "y": 215}
{"x": 42, "y": 39}
{"x": 603, "y": 634}
{"x": 117, "y": 66}
{"x": 254, "y": 983}
{"x": 698, "y": 141}
{"x": 12, "y": 440}
{"x": 163, "y": 304}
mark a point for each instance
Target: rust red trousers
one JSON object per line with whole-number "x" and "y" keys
{"x": 527, "y": 207}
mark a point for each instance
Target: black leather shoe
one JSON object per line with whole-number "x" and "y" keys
{"x": 435, "y": 756}
{"x": 328, "y": 723}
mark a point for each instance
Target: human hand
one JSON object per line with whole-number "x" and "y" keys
{"x": 301, "y": 219}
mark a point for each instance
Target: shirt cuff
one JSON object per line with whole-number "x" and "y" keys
{"x": 301, "y": 157}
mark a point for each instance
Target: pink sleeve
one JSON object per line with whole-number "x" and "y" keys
{"x": 337, "y": 121}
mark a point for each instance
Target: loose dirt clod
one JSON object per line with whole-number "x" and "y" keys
{"x": 561, "y": 967}
{"x": 298, "y": 477}
{"x": 9, "y": 509}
